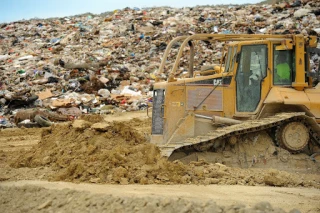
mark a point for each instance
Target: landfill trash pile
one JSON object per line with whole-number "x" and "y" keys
{"x": 108, "y": 63}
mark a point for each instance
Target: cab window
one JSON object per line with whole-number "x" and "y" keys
{"x": 252, "y": 69}
{"x": 283, "y": 67}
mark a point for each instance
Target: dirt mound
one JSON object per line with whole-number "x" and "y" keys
{"x": 253, "y": 150}
{"x": 92, "y": 118}
{"x": 15, "y": 132}
{"x": 116, "y": 152}
{"x": 19, "y": 200}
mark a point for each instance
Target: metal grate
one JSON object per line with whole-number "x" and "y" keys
{"x": 158, "y": 112}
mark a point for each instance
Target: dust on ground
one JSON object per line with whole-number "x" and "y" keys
{"x": 119, "y": 153}
{"x": 255, "y": 150}
{"x": 42, "y": 196}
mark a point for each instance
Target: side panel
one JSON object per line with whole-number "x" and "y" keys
{"x": 205, "y": 98}
{"x": 288, "y": 96}
{"x": 229, "y": 101}
{"x": 314, "y": 97}
{"x": 174, "y": 109}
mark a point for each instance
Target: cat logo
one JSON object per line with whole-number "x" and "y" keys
{"x": 217, "y": 81}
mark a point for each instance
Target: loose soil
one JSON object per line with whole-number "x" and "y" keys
{"x": 42, "y": 196}
{"x": 115, "y": 150}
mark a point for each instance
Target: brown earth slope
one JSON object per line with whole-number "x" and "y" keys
{"x": 115, "y": 149}
{"x": 97, "y": 151}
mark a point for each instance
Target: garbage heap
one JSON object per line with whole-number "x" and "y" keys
{"x": 108, "y": 62}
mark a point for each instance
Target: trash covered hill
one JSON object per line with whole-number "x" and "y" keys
{"x": 108, "y": 62}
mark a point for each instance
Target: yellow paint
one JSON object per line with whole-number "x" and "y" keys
{"x": 179, "y": 117}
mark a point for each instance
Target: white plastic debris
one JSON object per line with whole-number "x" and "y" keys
{"x": 104, "y": 93}
{"x": 301, "y": 12}
{"x": 27, "y": 57}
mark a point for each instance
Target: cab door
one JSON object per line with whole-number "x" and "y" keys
{"x": 252, "y": 85}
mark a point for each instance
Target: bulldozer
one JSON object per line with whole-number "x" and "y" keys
{"x": 248, "y": 92}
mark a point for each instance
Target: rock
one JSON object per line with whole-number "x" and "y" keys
{"x": 207, "y": 181}
{"x": 185, "y": 179}
{"x": 102, "y": 127}
{"x": 264, "y": 207}
{"x": 45, "y": 205}
{"x": 276, "y": 178}
{"x": 144, "y": 180}
{"x": 46, "y": 160}
{"x": 162, "y": 177}
{"x": 81, "y": 124}
{"x": 235, "y": 208}
{"x": 94, "y": 180}
{"x": 124, "y": 181}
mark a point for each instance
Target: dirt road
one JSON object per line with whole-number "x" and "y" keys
{"x": 304, "y": 199}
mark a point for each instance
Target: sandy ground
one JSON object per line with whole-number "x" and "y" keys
{"x": 28, "y": 160}
{"x": 304, "y": 199}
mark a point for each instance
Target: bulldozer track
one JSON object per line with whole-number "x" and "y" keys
{"x": 246, "y": 127}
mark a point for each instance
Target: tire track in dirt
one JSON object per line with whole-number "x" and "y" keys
{"x": 304, "y": 199}
{"x": 15, "y": 139}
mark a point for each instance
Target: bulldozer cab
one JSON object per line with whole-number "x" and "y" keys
{"x": 258, "y": 66}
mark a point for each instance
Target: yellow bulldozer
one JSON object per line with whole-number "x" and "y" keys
{"x": 262, "y": 83}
